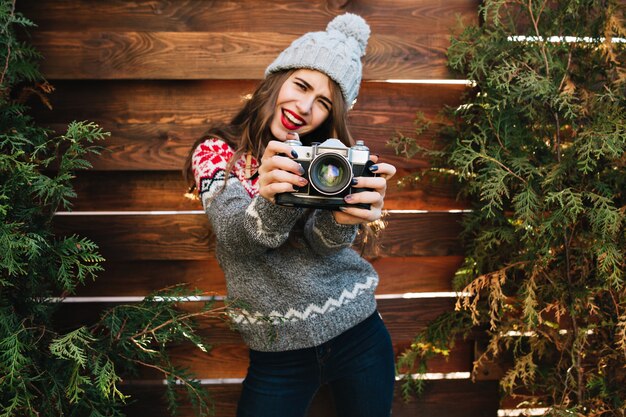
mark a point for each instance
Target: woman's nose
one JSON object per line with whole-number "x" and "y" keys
{"x": 305, "y": 104}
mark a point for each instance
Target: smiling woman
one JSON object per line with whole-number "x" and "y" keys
{"x": 301, "y": 297}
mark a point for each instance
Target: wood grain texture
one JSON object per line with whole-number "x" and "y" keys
{"x": 384, "y": 16}
{"x": 230, "y": 360}
{"x": 398, "y": 275}
{"x": 440, "y": 399}
{"x": 187, "y": 236}
{"x": 164, "y": 190}
{"x": 206, "y": 55}
{"x": 153, "y": 124}
{"x": 407, "y": 274}
{"x": 142, "y": 46}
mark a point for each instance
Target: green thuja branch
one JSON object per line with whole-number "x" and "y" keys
{"x": 408, "y": 146}
{"x": 437, "y": 340}
{"x": 49, "y": 367}
{"x": 538, "y": 148}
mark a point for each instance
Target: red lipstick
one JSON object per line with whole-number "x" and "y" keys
{"x": 289, "y": 118}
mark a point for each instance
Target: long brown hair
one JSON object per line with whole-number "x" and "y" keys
{"x": 249, "y": 130}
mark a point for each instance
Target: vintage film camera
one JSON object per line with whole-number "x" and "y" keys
{"x": 329, "y": 166}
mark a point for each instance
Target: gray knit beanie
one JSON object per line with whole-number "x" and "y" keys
{"x": 336, "y": 52}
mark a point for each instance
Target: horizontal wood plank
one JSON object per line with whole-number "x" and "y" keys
{"x": 143, "y": 48}
{"x": 384, "y": 16}
{"x": 398, "y": 275}
{"x": 207, "y": 55}
{"x": 187, "y": 236}
{"x": 230, "y": 360}
{"x": 444, "y": 398}
{"x": 165, "y": 190}
{"x": 141, "y": 278}
{"x": 153, "y": 124}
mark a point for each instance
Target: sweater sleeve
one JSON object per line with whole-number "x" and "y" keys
{"x": 242, "y": 221}
{"x": 325, "y": 235}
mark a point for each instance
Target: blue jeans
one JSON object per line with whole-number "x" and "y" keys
{"x": 358, "y": 366}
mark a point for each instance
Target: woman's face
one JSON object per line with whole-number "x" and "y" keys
{"x": 303, "y": 104}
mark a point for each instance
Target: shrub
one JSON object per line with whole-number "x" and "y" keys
{"x": 538, "y": 148}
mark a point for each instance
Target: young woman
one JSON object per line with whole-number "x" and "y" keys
{"x": 302, "y": 297}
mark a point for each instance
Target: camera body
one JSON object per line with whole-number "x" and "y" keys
{"x": 329, "y": 168}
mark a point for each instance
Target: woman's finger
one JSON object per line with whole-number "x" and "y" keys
{"x": 373, "y": 198}
{"x": 357, "y": 215}
{"x": 280, "y": 156}
{"x": 275, "y": 147}
{"x": 383, "y": 170}
{"x": 372, "y": 183}
{"x": 282, "y": 176}
{"x": 269, "y": 191}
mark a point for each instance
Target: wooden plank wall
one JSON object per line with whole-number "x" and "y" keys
{"x": 156, "y": 73}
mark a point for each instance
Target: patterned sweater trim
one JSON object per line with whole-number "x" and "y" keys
{"x": 209, "y": 162}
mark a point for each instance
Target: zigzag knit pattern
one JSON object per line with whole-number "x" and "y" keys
{"x": 310, "y": 311}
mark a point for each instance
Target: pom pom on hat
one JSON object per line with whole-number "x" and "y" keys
{"x": 336, "y": 52}
{"x": 352, "y": 26}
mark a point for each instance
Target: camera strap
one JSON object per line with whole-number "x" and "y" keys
{"x": 248, "y": 168}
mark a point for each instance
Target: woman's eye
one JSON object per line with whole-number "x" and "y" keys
{"x": 302, "y": 86}
{"x": 325, "y": 105}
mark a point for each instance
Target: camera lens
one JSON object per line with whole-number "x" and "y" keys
{"x": 330, "y": 174}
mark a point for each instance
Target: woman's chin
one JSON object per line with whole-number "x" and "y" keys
{"x": 283, "y": 134}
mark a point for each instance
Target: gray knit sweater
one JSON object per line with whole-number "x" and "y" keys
{"x": 288, "y": 293}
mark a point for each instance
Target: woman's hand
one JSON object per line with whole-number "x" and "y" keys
{"x": 374, "y": 196}
{"x": 278, "y": 172}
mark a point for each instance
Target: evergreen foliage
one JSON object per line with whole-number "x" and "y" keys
{"x": 46, "y": 369}
{"x": 538, "y": 147}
